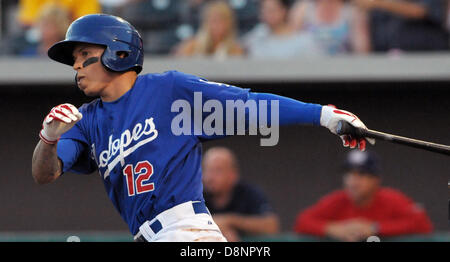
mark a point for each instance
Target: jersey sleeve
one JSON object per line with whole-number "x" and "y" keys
{"x": 218, "y": 109}
{"x": 206, "y": 98}
{"x": 290, "y": 111}
{"x": 75, "y": 157}
{"x": 73, "y": 148}
{"x": 186, "y": 85}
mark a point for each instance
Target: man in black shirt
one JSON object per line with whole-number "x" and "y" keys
{"x": 238, "y": 208}
{"x": 407, "y": 25}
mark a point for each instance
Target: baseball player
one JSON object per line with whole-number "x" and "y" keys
{"x": 151, "y": 175}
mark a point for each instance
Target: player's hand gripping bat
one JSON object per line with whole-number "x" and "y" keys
{"x": 344, "y": 128}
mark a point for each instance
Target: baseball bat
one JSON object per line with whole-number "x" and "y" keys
{"x": 344, "y": 128}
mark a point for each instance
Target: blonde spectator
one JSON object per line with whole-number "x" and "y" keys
{"x": 217, "y": 35}
{"x": 274, "y": 38}
{"x": 51, "y": 26}
{"x": 29, "y": 10}
{"x": 337, "y": 27}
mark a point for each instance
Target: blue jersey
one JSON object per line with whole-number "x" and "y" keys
{"x": 145, "y": 167}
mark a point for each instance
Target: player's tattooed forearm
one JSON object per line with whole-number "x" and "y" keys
{"x": 45, "y": 161}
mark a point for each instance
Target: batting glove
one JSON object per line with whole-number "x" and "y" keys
{"x": 331, "y": 116}
{"x": 60, "y": 119}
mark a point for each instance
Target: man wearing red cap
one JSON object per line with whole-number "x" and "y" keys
{"x": 363, "y": 208}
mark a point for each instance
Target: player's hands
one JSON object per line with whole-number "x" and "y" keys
{"x": 330, "y": 117}
{"x": 60, "y": 119}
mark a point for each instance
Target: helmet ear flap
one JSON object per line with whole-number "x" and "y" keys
{"x": 121, "y": 55}
{"x": 118, "y": 61}
{"x": 109, "y": 60}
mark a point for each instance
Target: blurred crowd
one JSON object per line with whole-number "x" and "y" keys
{"x": 253, "y": 28}
{"x": 361, "y": 208}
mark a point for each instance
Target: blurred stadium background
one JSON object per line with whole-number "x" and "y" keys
{"x": 400, "y": 92}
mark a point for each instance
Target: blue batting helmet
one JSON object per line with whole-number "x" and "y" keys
{"x": 114, "y": 33}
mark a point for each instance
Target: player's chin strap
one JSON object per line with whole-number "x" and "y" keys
{"x": 88, "y": 62}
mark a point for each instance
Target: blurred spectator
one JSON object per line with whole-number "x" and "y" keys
{"x": 238, "y": 208}
{"x": 246, "y": 12}
{"x": 363, "y": 208}
{"x": 336, "y": 26}
{"x": 114, "y": 7}
{"x": 413, "y": 25}
{"x": 217, "y": 35}
{"x": 273, "y": 37}
{"x": 29, "y": 10}
{"x": 51, "y": 26}
{"x": 28, "y": 40}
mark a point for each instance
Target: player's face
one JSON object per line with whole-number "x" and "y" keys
{"x": 92, "y": 78}
{"x": 360, "y": 186}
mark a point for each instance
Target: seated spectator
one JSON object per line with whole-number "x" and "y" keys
{"x": 217, "y": 35}
{"x": 273, "y": 37}
{"x": 336, "y": 26}
{"x": 26, "y": 39}
{"x": 363, "y": 208}
{"x": 51, "y": 25}
{"x": 238, "y": 208}
{"x": 415, "y": 25}
{"x": 29, "y": 10}
{"x": 245, "y": 12}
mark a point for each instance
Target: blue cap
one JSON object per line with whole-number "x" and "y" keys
{"x": 362, "y": 161}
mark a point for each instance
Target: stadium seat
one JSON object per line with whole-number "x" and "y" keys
{"x": 153, "y": 14}
{"x": 247, "y": 14}
{"x": 160, "y": 42}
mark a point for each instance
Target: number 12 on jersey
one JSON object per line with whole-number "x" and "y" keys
{"x": 143, "y": 170}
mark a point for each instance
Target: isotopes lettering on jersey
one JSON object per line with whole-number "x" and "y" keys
{"x": 127, "y": 143}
